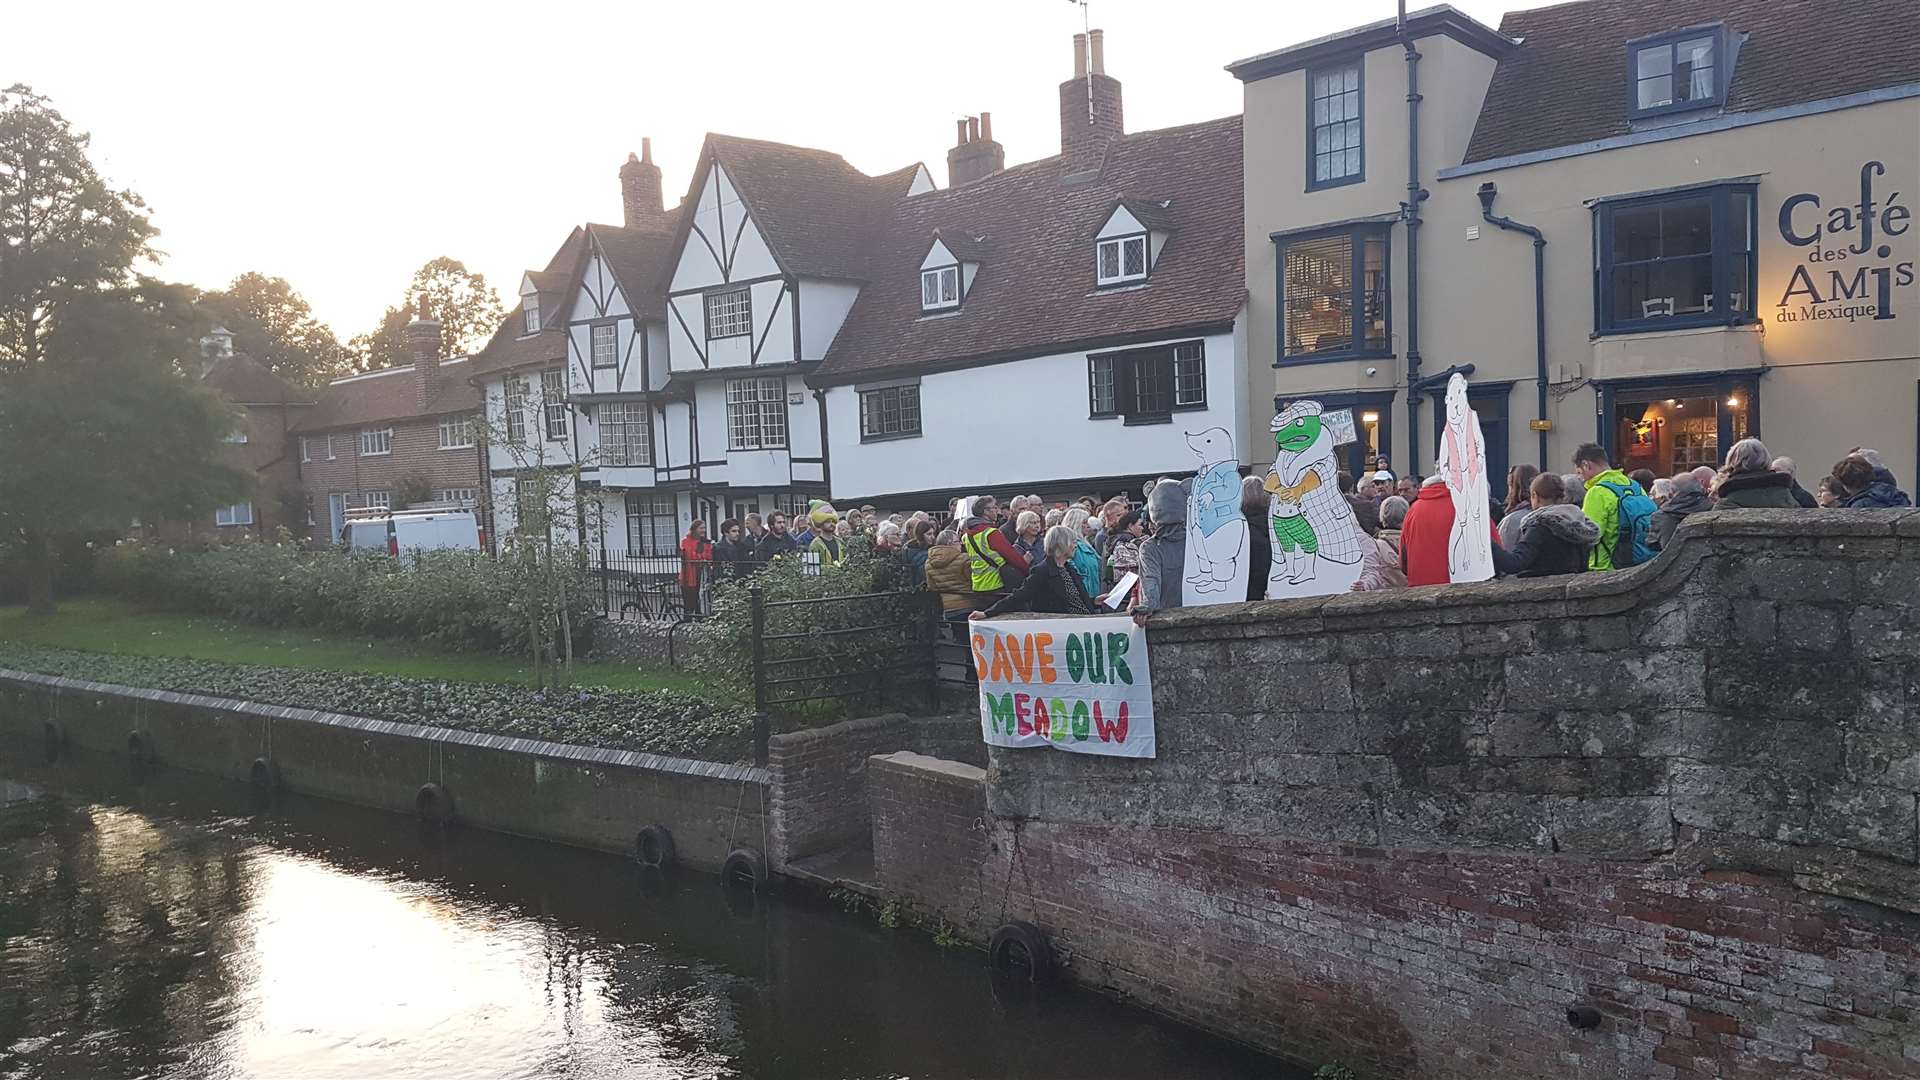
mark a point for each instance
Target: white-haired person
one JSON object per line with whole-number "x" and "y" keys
{"x": 1052, "y": 587}
{"x": 1086, "y": 561}
{"x": 1800, "y": 495}
{"x": 1747, "y": 481}
{"x": 1028, "y": 536}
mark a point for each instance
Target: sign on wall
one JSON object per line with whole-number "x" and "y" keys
{"x": 1850, "y": 267}
{"x": 1080, "y": 685}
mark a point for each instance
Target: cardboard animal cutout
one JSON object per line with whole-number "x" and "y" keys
{"x": 1462, "y": 461}
{"x": 1216, "y": 563}
{"x": 1316, "y": 542}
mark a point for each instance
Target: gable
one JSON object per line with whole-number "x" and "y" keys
{"x": 722, "y": 242}
{"x": 598, "y": 295}
{"x": 938, "y": 255}
{"x": 1120, "y": 223}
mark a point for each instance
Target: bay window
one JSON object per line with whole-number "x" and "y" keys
{"x": 1334, "y": 294}
{"x": 1679, "y": 259}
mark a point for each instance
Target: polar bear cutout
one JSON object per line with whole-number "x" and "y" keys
{"x": 1216, "y": 563}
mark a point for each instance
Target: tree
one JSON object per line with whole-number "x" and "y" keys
{"x": 273, "y": 323}
{"x": 64, "y": 235}
{"x": 99, "y": 422}
{"x": 468, "y": 309}
{"x": 108, "y": 428}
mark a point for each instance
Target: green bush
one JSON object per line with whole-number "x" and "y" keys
{"x": 461, "y": 600}
{"x": 871, "y": 645}
{"x": 652, "y": 721}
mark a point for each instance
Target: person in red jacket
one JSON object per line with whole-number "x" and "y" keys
{"x": 1423, "y": 539}
{"x": 696, "y": 555}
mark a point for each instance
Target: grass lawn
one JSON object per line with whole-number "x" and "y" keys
{"x": 111, "y": 626}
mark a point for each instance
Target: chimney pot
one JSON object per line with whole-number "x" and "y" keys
{"x": 1097, "y": 45}
{"x": 986, "y": 126}
{"x": 646, "y": 150}
{"x": 960, "y": 139}
{"x": 1079, "y": 56}
{"x": 973, "y": 129}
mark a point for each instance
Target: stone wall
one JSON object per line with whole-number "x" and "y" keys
{"x": 1411, "y": 830}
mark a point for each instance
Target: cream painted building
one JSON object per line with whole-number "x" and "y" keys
{"x": 1725, "y": 195}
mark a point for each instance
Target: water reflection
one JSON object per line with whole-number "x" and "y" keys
{"x": 156, "y": 924}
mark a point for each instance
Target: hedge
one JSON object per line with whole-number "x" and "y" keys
{"x": 457, "y": 600}
{"x": 653, "y": 721}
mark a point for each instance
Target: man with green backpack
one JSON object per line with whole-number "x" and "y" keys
{"x": 1618, "y": 506}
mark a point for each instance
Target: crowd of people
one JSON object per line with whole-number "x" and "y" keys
{"x": 986, "y": 557}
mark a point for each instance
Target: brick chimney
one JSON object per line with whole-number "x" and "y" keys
{"x": 423, "y": 344}
{"x": 1089, "y": 106}
{"x": 975, "y": 156}
{"x": 640, "y": 190}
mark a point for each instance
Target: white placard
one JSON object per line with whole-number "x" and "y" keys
{"x": 1075, "y": 684}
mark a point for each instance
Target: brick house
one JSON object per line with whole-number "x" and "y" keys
{"x": 270, "y": 408}
{"x": 388, "y": 438}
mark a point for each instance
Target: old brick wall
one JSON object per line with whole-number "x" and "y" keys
{"x": 1409, "y": 830}
{"x": 819, "y": 784}
{"x": 932, "y": 838}
{"x": 416, "y": 452}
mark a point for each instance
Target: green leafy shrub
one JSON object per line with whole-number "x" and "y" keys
{"x": 869, "y": 642}
{"x": 462, "y": 600}
{"x": 653, "y": 721}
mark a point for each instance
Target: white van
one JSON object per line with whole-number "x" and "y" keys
{"x": 407, "y": 530}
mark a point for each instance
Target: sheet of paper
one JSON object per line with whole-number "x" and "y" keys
{"x": 1122, "y": 589}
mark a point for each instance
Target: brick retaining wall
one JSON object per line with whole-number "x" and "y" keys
{"x": 1410, "y": 830}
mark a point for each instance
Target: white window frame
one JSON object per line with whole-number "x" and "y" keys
{"x": 628, "y": 426}
{"x": 456, "y": 432}
{"x": 612, "y": 342}
{"x": 940, "y": 288}
{"x": 514, "y": 398}
{"x": 553, "y": 404}
{"x": 306, "y": 450}
{"x": 376, "y": 499}
{"x": 757, "y": 414}
{"x": 729, "y": 313}
{"x": 331, "y": 456}
{"x": 376, "y": 437}
{"x": 530, "y": 313}
{"x": 1119, "y": 246}
{"x": 240, "y": 513}
{"x": 462, "y": 496}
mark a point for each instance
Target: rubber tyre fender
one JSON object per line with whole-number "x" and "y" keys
{"x": 744, "y": 866}
{"x": 264, "y": 774}
{"x": 434, "y": 804}
{"x": 653, "y": 847}
{"x": 138, "y": 748}
{"x": 1021, "y": 945}
{"x": 55, "y": 737}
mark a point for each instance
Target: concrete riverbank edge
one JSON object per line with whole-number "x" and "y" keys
{"x": 578, "y": 795}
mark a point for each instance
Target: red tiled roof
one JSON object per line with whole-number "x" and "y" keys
{"x": 388, "y": 395}
{"x": 1035, "y": 292}
{"x": 1567, "y": 81}
{"x": 510, "y": 347}
{"x": 245, "y": 381}
{"x": 816, "y": 212}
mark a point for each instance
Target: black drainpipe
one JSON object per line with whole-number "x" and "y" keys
{"x": 1487, "y": 192}
{"x": 826, "y": 455}
{"x": 1410, "y": 210}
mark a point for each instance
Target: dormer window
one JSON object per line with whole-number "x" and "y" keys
{"x": 530, "y": 313}
{"x": 1677, "y": 72}
{"x": 940, "y": 288}
{"x": 1122, "y": 260}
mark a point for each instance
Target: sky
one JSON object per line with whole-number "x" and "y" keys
{"x": 341, "y": 146}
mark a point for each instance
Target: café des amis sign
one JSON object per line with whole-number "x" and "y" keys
{"x": 1850, "y": 271}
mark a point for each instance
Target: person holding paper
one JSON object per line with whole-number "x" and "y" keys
{"x": 1053, "y": 587}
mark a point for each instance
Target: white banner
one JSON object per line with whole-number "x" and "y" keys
{"x": 1076, "y": 684}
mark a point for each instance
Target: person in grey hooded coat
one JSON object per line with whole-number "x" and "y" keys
{"x": 1554, "y": 539}
{"x": 1687, "y": 499}
{"x": 1163, "y": 558}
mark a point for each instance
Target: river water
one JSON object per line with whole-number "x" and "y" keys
{"x": 161, "y": 924}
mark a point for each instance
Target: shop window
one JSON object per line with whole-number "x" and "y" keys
{"x": 1674, "y": 428}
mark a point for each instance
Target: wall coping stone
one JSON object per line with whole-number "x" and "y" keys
{"x": 1507, "y": 600}
{"x": 631, "y": 759}
{"x": 835, "y": 731}
{"x": 906, "y": 761}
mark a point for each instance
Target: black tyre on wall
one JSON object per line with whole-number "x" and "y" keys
{"x": 139, "y": 748}
{"x": 434, "y": 804}
{"x": 263, "y": 775}
{"x": 653, "y": 847}
{"x": 744, "y": 868}
{"x": 1020, "y": 949}
{"x": 55, "y": 738}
